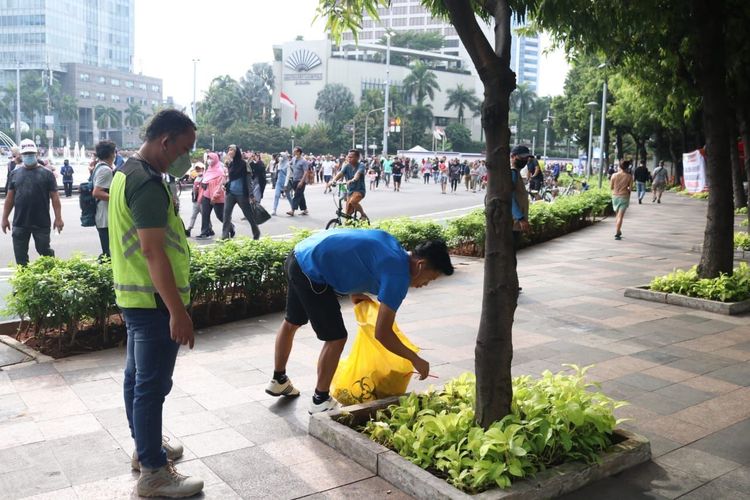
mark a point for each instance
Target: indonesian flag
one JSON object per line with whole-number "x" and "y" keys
{"x": 286, "y": 100}
{"x": 438, "y": 133}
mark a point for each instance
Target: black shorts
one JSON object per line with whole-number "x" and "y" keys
{"x": 535, "y": 184}
{"x": 316, "y": 302}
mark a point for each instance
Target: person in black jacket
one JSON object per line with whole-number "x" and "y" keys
{"x": 642, "y": 176}
{"x": 258, "y": 169}
{"x": 238, "y": 192}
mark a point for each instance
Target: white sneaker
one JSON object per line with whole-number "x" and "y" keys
{"x": 327, "y": 405}
{"x": 286, "y": 389}
{"x": 167, "y": 482}
{"x": 174, "y": 452}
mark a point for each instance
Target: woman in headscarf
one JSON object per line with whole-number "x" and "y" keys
{"x": 238, "y": 193}
{"x": 281, "y": 182}
{"x": 213, "y": 195}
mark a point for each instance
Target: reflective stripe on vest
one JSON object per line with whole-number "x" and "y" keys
{"x": 132, "y": 280}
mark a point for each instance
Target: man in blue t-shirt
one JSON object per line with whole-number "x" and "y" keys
{"x": 349, "y": 262}
{"x": 354, "y": 172}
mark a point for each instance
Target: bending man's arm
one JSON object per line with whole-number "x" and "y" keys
{"x": 385, "y": 335}
{"x": 160, "y": 269}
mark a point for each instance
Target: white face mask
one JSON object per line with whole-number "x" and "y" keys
{"x": 29, "y": 160}
{"x": 180, "y": 166}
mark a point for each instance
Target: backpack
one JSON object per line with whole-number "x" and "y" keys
{"x": 87, "y": 202}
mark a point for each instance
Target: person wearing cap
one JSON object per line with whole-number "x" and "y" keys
{"x": 519, "y": 156}
{"x": 30, "y": 190}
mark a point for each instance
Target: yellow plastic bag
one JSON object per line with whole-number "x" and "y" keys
{"x": 371, "y": 371}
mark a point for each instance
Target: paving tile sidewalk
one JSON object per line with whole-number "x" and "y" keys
{"x": 63, "y": 432}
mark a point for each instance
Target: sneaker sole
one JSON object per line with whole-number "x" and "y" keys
{"x": 162, "y": 495}
{"x": 278, "y": 394}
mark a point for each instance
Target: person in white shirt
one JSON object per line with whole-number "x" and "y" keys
{"x": 328, "y": 165}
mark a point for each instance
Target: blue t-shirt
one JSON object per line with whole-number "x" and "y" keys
{"x": 350, "y": 172}
{"x": 357, "y": 261}
{"x": 237, "y": 187}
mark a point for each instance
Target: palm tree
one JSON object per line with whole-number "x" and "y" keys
{"x": 67, "y": 111}
{"x": 461, "y": 98}
{"x": 522, "y": 99}
{"x": 134, "y": 115}
{"x": 420, "y": 119}
{"x": 107, "y": 118}
{"x": 421, "y": 83}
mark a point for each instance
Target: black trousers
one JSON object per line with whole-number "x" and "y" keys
{"x": 68, "y": 185}
{"x": 104, "y": 240}
{"x": 244, "y": 204}
{"x": 21, "y": 237}
{"x": 218, "y": 209}
{"x": 299, "y": 202}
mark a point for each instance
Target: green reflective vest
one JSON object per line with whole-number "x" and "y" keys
{"x": 132, "y": 281}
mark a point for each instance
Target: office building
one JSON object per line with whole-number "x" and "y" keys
{"x": 86, "y": 46}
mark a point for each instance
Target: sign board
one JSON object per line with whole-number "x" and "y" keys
{"x": 50, "y": 134}
{"x": 694, "y": 172}
{"x": 49, "y": 120}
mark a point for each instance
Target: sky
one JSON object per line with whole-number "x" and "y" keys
{"x": 228, "y": 36}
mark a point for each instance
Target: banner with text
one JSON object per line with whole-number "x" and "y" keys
{"x": 694, "y": 171}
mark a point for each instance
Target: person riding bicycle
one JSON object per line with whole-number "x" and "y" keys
{"x": 354, "y": 172}
{"x": 535, "y": 176}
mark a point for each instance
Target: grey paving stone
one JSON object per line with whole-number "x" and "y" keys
{"x": 702, "y": 363}
{"x": 31, "y": 371}
{"x": 659, "y": 403}
{"x": 738, "y": 479}
{"x": 90, "y": 457}
{"x": 11, "y": 356}
{"x": 700, "y": 464}
{"x": 11, "y": 406}
{"x": 737, "y": 374}
{"x": 684, "y": 394}
{"x": 271, "y": 429}
{"x": 612, "y": 488}
{"x": 656, "y": 356}
{"x": 373, "y": 487}
{"x": 643, "y": 382}
{"x": 659, "y": 480}
{"x": 730, "y": 443}
{"x": 43, "y": 478}
{"x": 714, "y": 491}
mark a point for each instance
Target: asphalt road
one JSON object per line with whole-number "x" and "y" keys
{"x": 414, "y": 200}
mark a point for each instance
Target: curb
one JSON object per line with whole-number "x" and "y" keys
{"x": 36, "y": 357}
{"x": 714, "y": 306}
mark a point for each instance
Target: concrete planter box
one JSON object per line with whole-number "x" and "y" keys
{"x": 630, "y": 451}
{"x": 714, "y": 306}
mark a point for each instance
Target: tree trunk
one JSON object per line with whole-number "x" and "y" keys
{"x": 494, "y": 348}
{"x": 745, "y": 131}
{"x": 718, "y": 241}
{"x": 618, "y": 140}
{"x": 740, "y": 200}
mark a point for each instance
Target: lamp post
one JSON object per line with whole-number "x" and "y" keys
{"x": 533, "y": 140}
{"x": 292, "y": 143}
{"x": 592, "y": 106}
{"x": 213, "y": 147}
{"x": 388, "y": 35}
{"x": 367, "y": 116}
{"x": 567, "y": 144}
{"x": 546, "y": 127}
{"x": 18, "y": 102}
{"x": 604, "y": 127}
{"x": 195, "y": 72}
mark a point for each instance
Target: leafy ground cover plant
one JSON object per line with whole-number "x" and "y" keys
{"x": 742, "y": 241}
{"x": 740, "y": 211}
{"x": 733, "y": 287}
{"x": 411, "y": 232}
{"x": 555, "y": 419}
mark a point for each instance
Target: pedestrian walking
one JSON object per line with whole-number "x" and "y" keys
{"x": 103, "y": 174}
{"x": 31, "y": 188}
{"x": 281, "y": 187}
{"x": 659, "y": 183}
{"x": 67, "y": 178}
{"x": 258, "y": 169}
{"x": 454, "y": 172}
{"x": 299, "y": 170}
{"x": 642, "y": 176}
{"x": 196, "y": 195}
{"x": 621, "y": 184}
{"x": 151, "y": 274}
{"x": 398, "y": 168}
{"x": 213, "y": 196}
{"x": 238, "y": 193}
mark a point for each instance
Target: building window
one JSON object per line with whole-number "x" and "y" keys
{"x": 115, "y": 82}
{"x": 101, "y": 80}
{"x": 128, "y": 84}
{"x": 416, "y": 21}
{"x": 398, "y": 11}
{"x": 84, "y": 77}
{"x": 154, "y": 88}
{"x": 115, "y": 98}
{"x": 154, "y": 103}
{"x": 441, "y": 121}
{"x": 451, "y": 42}
{"x": 450, "y": 31}
{"x": 144, "y": 102}
{"x": 142, "y": 86}
{"x": 100, "y": 96}
{"x": 84, "y": 93}
{"x": 401, "y": 21}
{"x": 417, "y": 9}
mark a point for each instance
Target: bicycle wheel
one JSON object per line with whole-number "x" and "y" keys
{"x": 547, "y": 197}
{"x": 333, "y": 224}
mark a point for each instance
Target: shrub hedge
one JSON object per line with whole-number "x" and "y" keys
{"x": 733, "y": 287}
{"x": 240, "y": 278}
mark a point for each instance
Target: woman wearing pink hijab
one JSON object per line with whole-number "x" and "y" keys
{"x": 213, "y": 195}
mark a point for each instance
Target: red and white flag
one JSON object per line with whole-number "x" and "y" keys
{"x": 286, "y": 100}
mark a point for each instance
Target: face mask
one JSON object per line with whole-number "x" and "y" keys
{"x": 520, "y": 163}
{"x": 179, "y": 166}
{"x": 29, "y": 160}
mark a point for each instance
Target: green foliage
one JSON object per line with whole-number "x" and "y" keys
{"x": 740, "y": 211}
{"x": 556, "y": 419}
{"x": 421, "y": 82}
{"x": 566, "y": 211}
{"x": 411, "y": 232}
{"x": 461, "y": 98}
{"x": 56, "y": 294}
{"x": 742, "y": 241}
{"x": 733, "y": 287}
{"x": 460, "y": 137}
{"x": 469, "y": 228}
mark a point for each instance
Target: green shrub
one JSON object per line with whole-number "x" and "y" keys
{"x": 469, "y": 228}
{"x": 733, "y": 287}
{"x": 740, "y": 211}
{"x": 411, "y": 232}
{"x": 556, "y": 419}
{"x": 742, "y": 241}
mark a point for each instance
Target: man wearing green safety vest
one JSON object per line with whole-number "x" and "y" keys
{"x": 150, "y": 265}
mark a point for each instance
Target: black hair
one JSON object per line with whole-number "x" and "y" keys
{"x": 169, "y": 121}
{"x": 359, "y": 155}
{"x": 105, "y": 150}
{"x": 238, "y": 160}
{"x": 435, "y": 252}
{"x": 297, "y": 148}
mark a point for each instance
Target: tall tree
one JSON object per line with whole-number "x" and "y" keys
{"x": 421, "y": 82}
{"x": 134, "y": 115}
{"x": 67, "y": 111}
{"x": 461, "y": 98}
{"x": 107, "y": 118}
{"x": 335, "y": 105}
{"x": 522, "y": 100}
{"x": 222, "y": 105}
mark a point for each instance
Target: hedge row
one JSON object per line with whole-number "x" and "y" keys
{"x": 241, "y": 277}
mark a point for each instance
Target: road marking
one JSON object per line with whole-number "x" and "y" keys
{"x": 447, "y": 211}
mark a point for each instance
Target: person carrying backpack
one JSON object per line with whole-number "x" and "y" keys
{"x": 102, "y": 179}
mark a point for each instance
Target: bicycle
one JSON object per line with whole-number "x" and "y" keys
{"x": 342, "y": 218}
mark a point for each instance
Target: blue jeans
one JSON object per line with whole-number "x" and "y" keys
{"x": 281, "y": 189}
{"x": 151, "y": 355}
{"x": 640, "y": 189}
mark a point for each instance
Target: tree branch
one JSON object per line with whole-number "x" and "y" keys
{"x": 502, "y": 29}
{"x": 464, "y": 20}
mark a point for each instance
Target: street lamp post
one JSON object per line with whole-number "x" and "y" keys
{"x": 367, "y": 116}
{"x": 546, "y": 127}
{"x": 603, "y": 132}
{"x": 567, "y": 144}
{"x": 18, "y": 102}
{"x": 387, "y": 88}
{"x": 533, "y": 140}
{"x": 292, "y": 143}
{"x": 591, "y": 105}
{"x": 213, "y": 148}
{"x": 195, "y": 72}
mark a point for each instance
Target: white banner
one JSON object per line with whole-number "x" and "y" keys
{"x": 694, "y": 172}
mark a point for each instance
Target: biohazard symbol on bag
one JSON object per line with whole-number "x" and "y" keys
{"x": 371, "y": 371}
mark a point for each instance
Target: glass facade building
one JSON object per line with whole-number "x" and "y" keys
{"x": 47, "y": 34}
